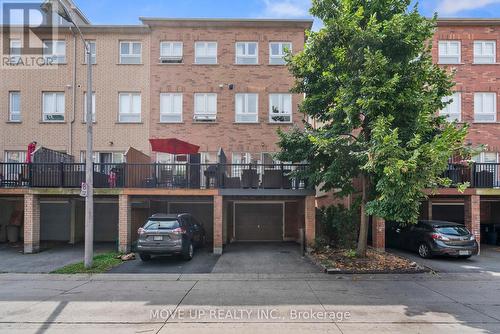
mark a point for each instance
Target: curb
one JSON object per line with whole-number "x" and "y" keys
{"x": 419, "y": 269}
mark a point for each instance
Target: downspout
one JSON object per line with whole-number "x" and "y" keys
{"x": 73, "y": 111}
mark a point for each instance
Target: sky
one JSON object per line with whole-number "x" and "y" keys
{"x": 128, "y": 11}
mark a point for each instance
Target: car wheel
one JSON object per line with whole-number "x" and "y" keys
{"x": 188, "y": 252}
{"x": 424, "y": 251}
{"x": 145, "y": 257}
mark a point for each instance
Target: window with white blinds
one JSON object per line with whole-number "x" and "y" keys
{"x": 205, "y": 52}
{"x": 449, "y": 52}
{"x": 246, "y": 108}
{"x": 130, "y": 108}
{"x": 205, "y": 106}
{"x": 53, "y": 106}
{"x": 484, "y": 52}
{"x": 485, "y": 107}
{"x": 170, "y": 107}
{"x": 453, "y": 110}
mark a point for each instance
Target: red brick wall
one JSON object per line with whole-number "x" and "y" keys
{"x": 31, "y": 223}
{"x": 472, "y": 78}
{"x": 189, "y": 78}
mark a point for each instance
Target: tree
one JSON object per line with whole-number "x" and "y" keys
{"x": 369, "y": 79}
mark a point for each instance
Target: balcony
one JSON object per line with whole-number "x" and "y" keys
{"x": 155, "y": 175}
{"x": 479, "y": 175}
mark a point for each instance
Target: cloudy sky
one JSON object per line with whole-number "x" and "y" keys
{"x": 128, "y": 11}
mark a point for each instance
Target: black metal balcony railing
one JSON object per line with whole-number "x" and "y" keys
{"x": 155, "y": 175}
{"x": 478, "y": 175}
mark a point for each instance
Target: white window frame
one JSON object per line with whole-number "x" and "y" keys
{"x": 444, "y": 56}
{"x": 57, "y": 111}
{"x": 205, "y": 114}
{"x": 15, "y": 51}
{"x": 242, "y": 58}
{"x": 453, "y": 110}
{"x": 12, "y": 111}
{"x": 130, "y": 54}
{"x": 51, "y": 52}
{"x": 202, "y": 58}
{"x": 479, "y": 115}
{"x": 170, "y": 56}
{"x": 245, "y": 115}
{"x": 481, "y": 157}
{"x": 480, "y": 57}
{"x": 131, "y": 112}
{"x": 85, "y": 107}
{"x": 280, "y": 58}
{"x": 281, "y": 108}
{"x": 93, "y": 53}
{"x": 168, "y": 114}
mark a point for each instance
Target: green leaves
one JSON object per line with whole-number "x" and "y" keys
{"x": 369, "y": 79}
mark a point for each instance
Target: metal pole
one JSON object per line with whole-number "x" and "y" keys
{"x": 89, "y": 170}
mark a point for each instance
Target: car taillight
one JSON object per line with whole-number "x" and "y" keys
{"x": 141, "y": 231}
{"x": 439, "y": 236}
{"x": 178, "y": 230}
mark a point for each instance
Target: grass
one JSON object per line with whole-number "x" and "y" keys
{"x": 102, "y": 263}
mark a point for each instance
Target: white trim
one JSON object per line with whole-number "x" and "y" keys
{"x": 281, "y": 55}
{"x": 199, "y": 57}
{"x": 477, "y": 56}
{"x": 245, "y": 55}
{"x": 245, "y": 112}
{"x": 130, "y": 54}
{"x": 444, "y": 57}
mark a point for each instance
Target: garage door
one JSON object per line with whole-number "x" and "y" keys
{"x": 258, "y": 221}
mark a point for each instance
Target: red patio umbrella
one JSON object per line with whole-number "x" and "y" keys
{"x": 173, "y": 146}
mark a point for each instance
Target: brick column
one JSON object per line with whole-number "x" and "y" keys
{"x": 472, "y": 215}
{"x": 31, "y": 224}
{"x": 124, "y": 223}
{"x": 310, "y": 220}
{"x": 218, "y": 214}
{"x": 378, "y": 233}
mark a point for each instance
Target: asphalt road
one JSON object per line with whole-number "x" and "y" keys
{"x": 250, "y": 303}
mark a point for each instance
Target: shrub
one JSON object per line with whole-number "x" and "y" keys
{"x": 339, "y": 225}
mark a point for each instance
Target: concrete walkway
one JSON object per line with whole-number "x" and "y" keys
{"x": 250, "y": 303}
{"x": 51, "y": 257}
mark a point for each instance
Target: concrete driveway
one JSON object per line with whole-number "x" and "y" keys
{"x": 487, "y": 262}
{"x": 203, "y": 262}
{"x": 237, "y": 258}
{"x": 51, "y": 257}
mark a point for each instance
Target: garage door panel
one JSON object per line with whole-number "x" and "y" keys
{"x": 259, "y": 221}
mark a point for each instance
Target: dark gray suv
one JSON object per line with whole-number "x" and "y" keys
{"x": 166, "y": 234}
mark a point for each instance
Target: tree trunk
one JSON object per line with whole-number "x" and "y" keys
{"x": 363, "y": 226}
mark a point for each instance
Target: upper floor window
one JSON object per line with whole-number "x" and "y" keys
{"x": 277, "y": 52}
{"x": 449, "y": 52}
{"x": 130, "y": 52}
{"x": 205, "y": 53}
{"x": 85, "y": 107}
{"x": 53, "y": 106}
{"x": 485, "y": 52}
{"x": 247, "y": 53}
{"x": 54, "y": 52}
{"x": 170, "y": 107}
{"x": 280, "y": 108}
{"x": 93, "y": 52}
{"x": 205, "y": 106}
{"x": 170, "y": 52}
{"x": 485, "y": 107}
{"x": 486, "y": 158}
{"x": 130, "y": 108}
{"x": 247, "y": 108}
{"x": 15, "y": 106}
{"x": 453, "y": 110}
{"x": 15, "y": 51}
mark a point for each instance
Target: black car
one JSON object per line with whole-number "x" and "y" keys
{"x": 433, "y": 237}
{"x": 170, "y": 234}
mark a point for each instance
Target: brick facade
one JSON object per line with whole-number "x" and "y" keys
{"x": 218, "y": 222}
{"x": 31, "y": 223}
{"x": 472, "y": 216}
{"x": 124, "y": 223}
{"x": 310, "y": 220}
{"x": 378, "y": 233}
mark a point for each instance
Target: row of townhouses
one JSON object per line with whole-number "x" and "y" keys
{"x": 221, "y": 85}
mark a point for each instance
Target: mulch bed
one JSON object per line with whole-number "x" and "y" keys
{"x": 344, "y": 261}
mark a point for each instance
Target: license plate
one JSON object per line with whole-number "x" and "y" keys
{"x": 463, "y": 252}
{"x": 157, "y": 238}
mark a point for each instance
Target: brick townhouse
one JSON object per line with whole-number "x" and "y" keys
{"x": 221, "y": 85}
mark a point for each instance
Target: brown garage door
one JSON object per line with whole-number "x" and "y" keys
{"x": 259, "y": 221}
